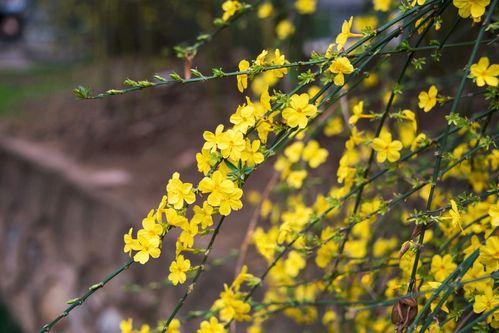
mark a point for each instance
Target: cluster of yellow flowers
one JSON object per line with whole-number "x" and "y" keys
{"x": 231, "y": 304}
{"x": 291, "y": 167}
{"x": 266, "y": 79}
{"x": 226, "y": 158}
{"x": 288, "y": 221}
{"x": 351, "y": 229}
{"x": 285, "y": 27}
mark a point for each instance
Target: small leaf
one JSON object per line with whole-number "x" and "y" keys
{"x": 74, "y": 300}
{"x": 197, "y": 73}
{"x": 95, "y": 286}
{"x": 82, "y": 92}
{"x": 176, "y": 77}
{"x": 160, "y": 78}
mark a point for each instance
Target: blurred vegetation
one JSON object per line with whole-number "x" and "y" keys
{"x": 33, "y": 82}
{"x": 117, "y": 27}
{"x": 125, "y": 26}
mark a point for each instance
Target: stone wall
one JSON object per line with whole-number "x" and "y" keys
{"x": 59, "y": 232}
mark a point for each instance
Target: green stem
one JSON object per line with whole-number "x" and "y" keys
{"x": 80, "y": 300}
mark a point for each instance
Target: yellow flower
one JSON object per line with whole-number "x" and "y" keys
{"x": 441, "y": 267}
{"x": 174, "y": 326}
{"x": 130, "y": 242}
{"x": 211, "y": 326}
{"x": 408, "y": 127}
{"x": 231, "y": 201}
{"x": 418, "y": 141}
{"x": 284, "y": 29}
{"x": 329, "y": 317}
{"x": 147, "y": 246}
{"x": 175, "y": 219}
{"x": 313, "y": 91}
{"x": 144, "y": 328}
{"x": 419, "y": 2}
{"x": 386, "y": 148}
{"x": 217, "y": 185}
{"x": 294, "y": 264}
{"x": 305, "y": 6}
{"x": 489, "y": 253}
{"x": 244, "y": 117}
{"x": 357, "y": 113}
{"x": 178, "y": 192}
{"x": 126, "y": 326}
{"x": 178, "y": 268}
{"x": 345, "y": 33}
{"x": 252, "y": 155}
{"x": 231, "y": 306}
{"x": 383, "y": 246}
{"x": 263, "y": 129}
{"x": 278, "y": 59}
{"x": 382, "y": 5}
{"x": 476, "y": 272}
{"x": 483, "y": 74}
{"x": 314, "y": 154}
{"x": 333, "y": 127}
{"x": 431, "y": 286}
{"x": 293, "y": 151}
{"x": 203, "y": 215}
{"x": 411, "y": 117}
{"x": 149, "y": 226}
{"x": 473, "y": 8}
{"x": 265, "y": 99}
{"x": 261, "y": 59}
{"x": 243, "y": 277}
{"x": 475, "y": 244}
{"x": 427, "y": 100}
{"x": 265, "y": 10}
{"x": 232, "y": 144}
{"x": 186, "y": 237}
{"x": 494, "y": 214}
{"x": 365, "y": 22}
{"x": 213, "y": 140}
{"x": 299, "y": 111}
{"x": 454, "y": 215}
{"x": 485, "y": 302}
{"x": 205, "y": 161}
{"x": 230, "y": 7}
{"x": 242, "y": 79}
{"x": 265, "y": 243}
{"x": 340, "y": 66}
{"x": 295, "y": 178}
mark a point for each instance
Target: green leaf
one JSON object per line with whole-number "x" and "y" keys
{"x": 160, "y": 78}
{"x": 82, "y": 92}
{"x": 306, "y": 77}
{"x": 218, "y": 72}
{"x": 176, "y": 77}
{"x": 197, "y": 73}
{"x": 95, "y": 286}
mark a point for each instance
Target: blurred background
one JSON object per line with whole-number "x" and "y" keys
{"x": 75, "y": 175}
